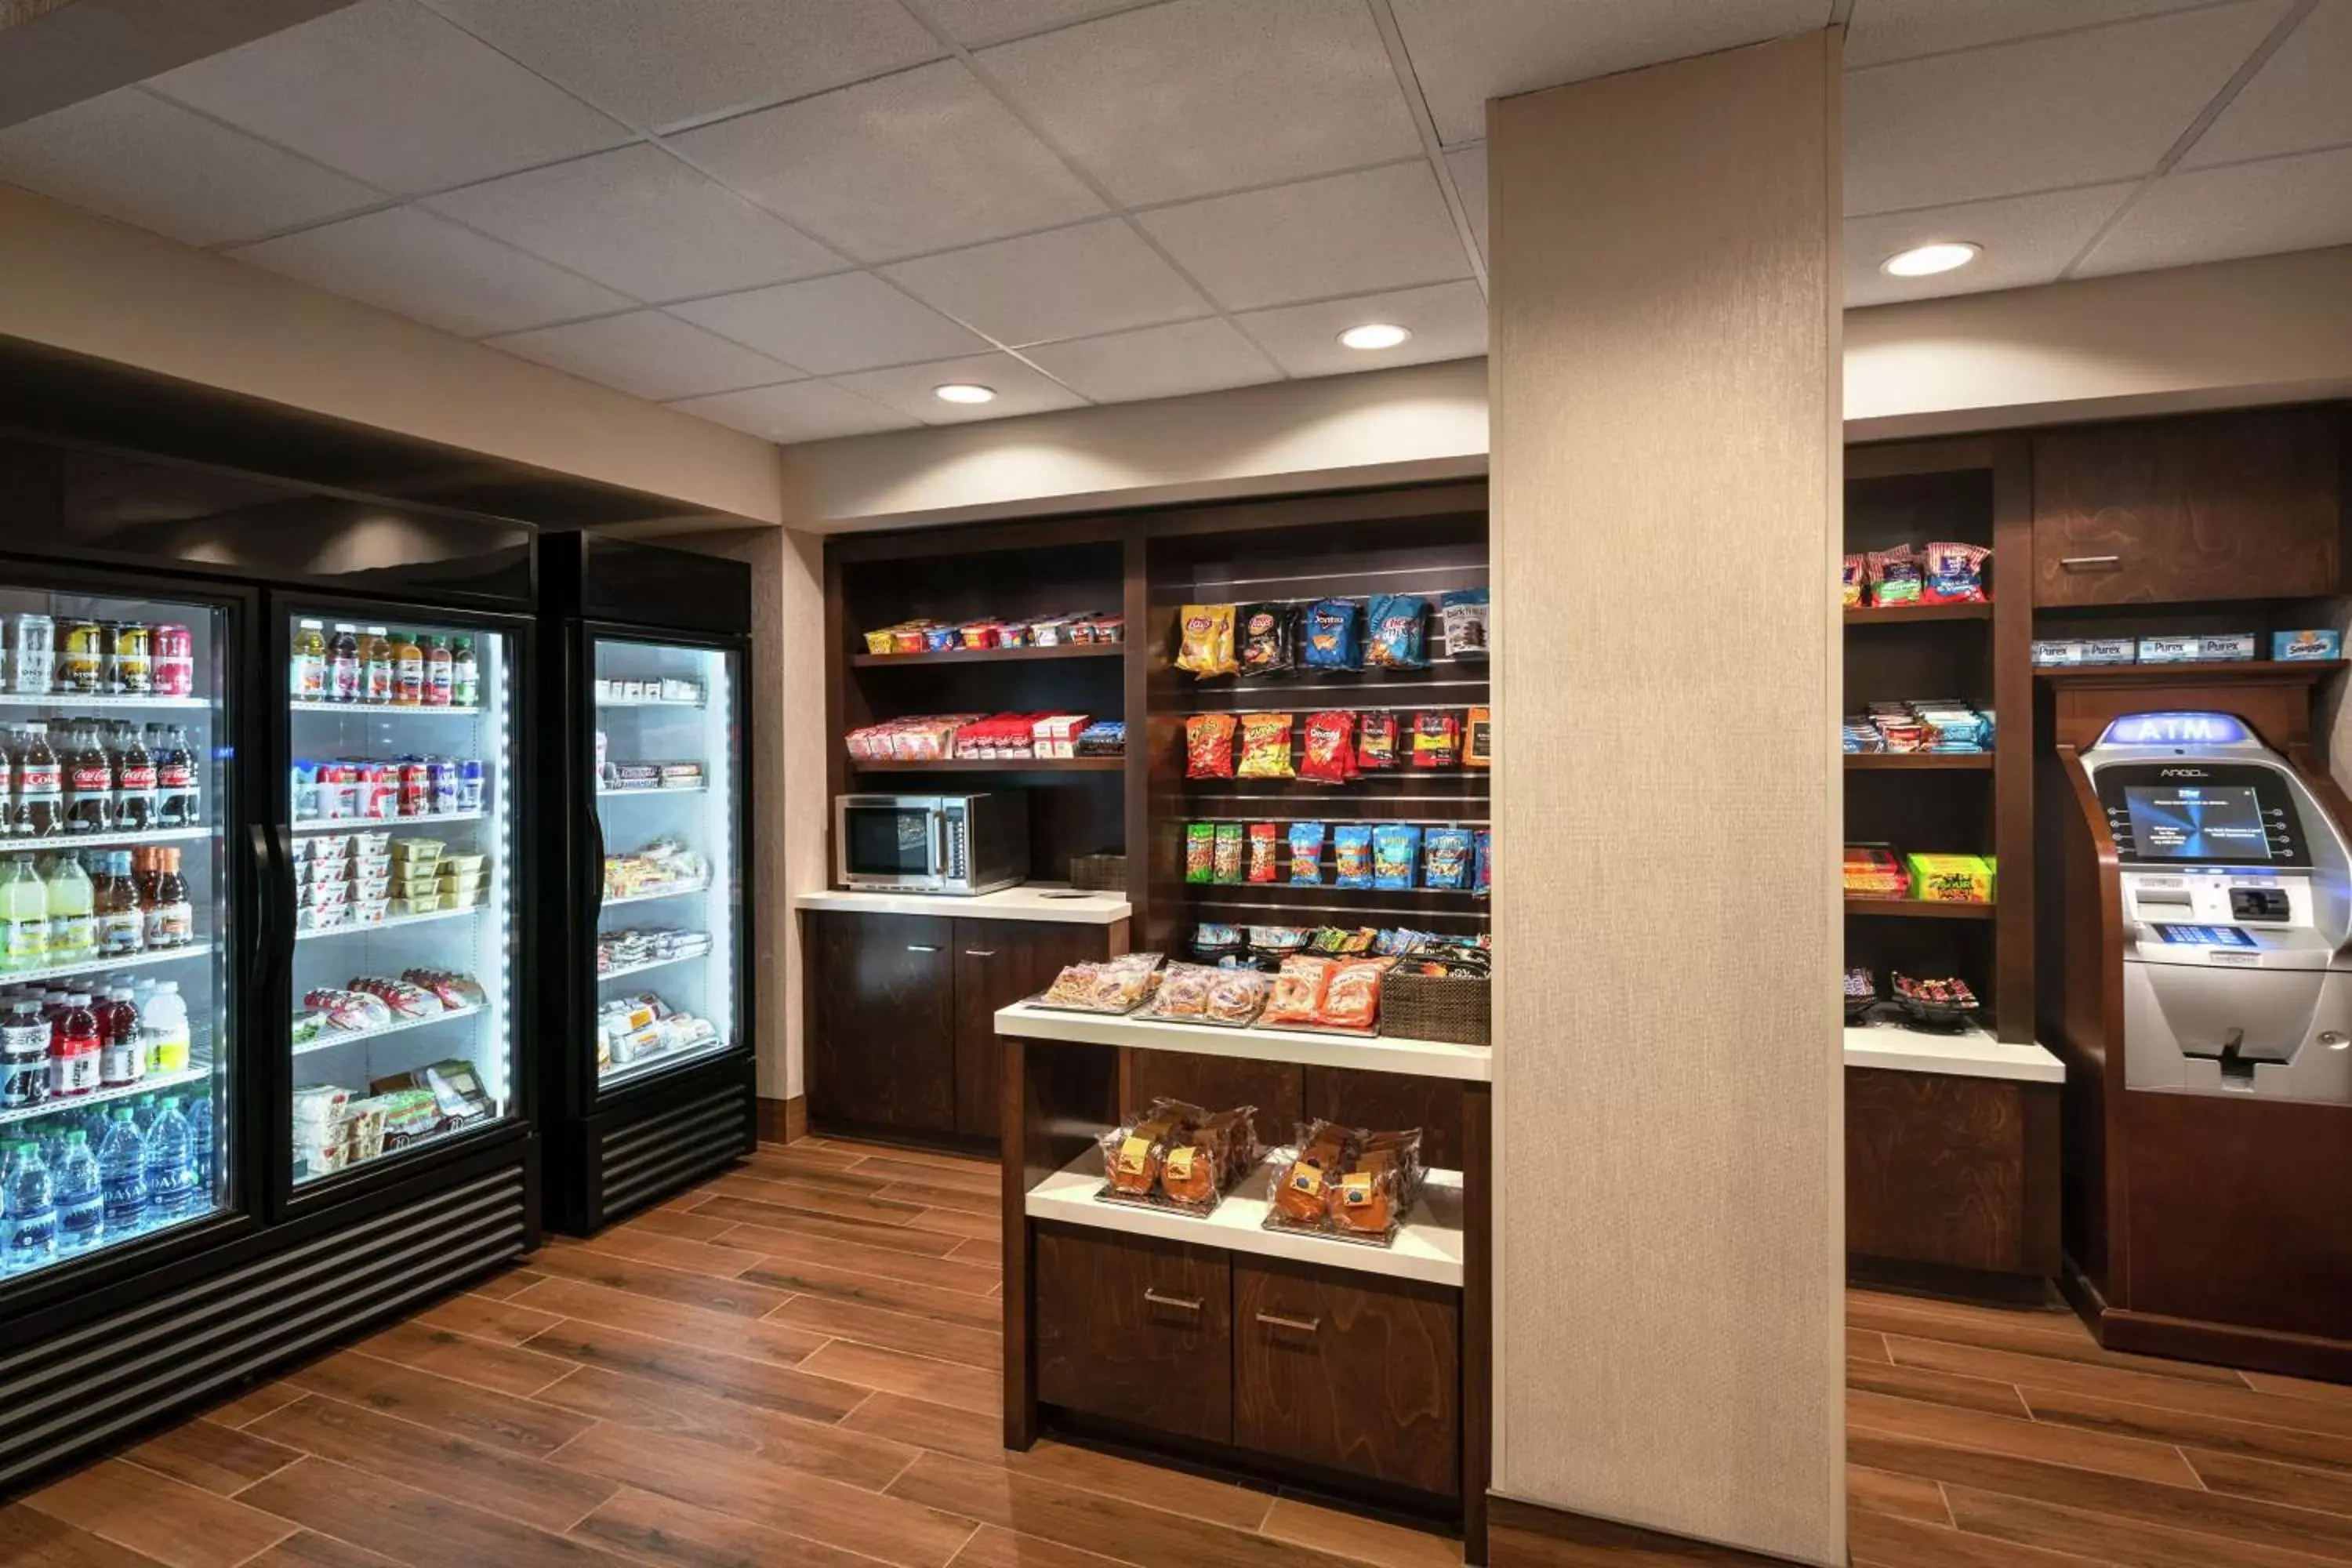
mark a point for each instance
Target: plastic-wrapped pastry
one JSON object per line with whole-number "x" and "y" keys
{"x": 1114, "y": 985}
{"x": 1237, "y": 995}
{"x": 1183, "y": 993}
{"x": 1379, "y": 1186}
{"x": 1132, "y": 1154}
{"x": 1201, "y": 1165}
{"x": 1301, "y": 1191}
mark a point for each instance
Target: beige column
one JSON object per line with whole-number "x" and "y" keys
{"x": 1666, "y": 518}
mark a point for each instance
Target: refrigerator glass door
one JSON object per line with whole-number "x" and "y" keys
{"x": 668, "y": 771}
{"x": 402, "y": 836}
{"x": 115, "y": 1003}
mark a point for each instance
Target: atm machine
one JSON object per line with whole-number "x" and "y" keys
{"x": 2203, "y": 1000}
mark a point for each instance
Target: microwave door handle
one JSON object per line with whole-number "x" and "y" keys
{"x": 938, "y": 850}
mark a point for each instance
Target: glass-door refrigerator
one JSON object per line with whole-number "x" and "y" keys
{"x": 652, "y": 1065}
{"x": 123, "y": 904}
{"x": 398, "y": 891}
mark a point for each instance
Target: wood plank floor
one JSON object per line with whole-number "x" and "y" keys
{"x": 796, "y": 1364}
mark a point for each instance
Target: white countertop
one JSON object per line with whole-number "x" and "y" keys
{"x": 1420, "y": 1058}
{"x": 1428, "y": 1247}
{"x": 1971, "y": 1054}
{"x": 1030, "y": 901}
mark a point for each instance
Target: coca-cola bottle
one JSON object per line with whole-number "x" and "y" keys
{"x": 37, "y": 811}
{"x": 89, "y": 782}
{"x": 135, "y": 783}
{"x": 175, "y": 776}
{"x": 10, "y": 745}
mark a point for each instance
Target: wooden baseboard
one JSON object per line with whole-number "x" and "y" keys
{"x": 1525, "y": 1535}
{"x": 783, "y": 1120}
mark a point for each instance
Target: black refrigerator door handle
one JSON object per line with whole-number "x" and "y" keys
{"x": 265, "y": 912}
{"x": 596, "y": 862}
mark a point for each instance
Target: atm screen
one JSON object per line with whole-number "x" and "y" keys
{"x": 2205, "y": 936}
{"x": 2198, "y": 821}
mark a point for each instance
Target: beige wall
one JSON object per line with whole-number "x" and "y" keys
{"x": 1670, "y": 1234}
{"x": 97, "y": 287}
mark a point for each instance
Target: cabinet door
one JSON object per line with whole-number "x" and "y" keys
{"x": 883, "y": 1049}
{"x": 1137, "y": 1331}
{"x": 2224, "y": 506}
{"x": 998, "y": 962}
{"x": 1348, "y": 1372}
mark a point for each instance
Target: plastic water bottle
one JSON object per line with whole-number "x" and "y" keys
{"x": 122, "y": 1174}
{"x": 200, "y": 1144}
{"x": 81, "y": 1211}
{"x": 32, "y": 1213}
{"x": 144, "y": 1109}
{"x": 171, "y": 1178}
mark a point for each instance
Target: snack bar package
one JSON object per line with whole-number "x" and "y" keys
{"x": 1397, "y": 632}
{"x": 1203, "y": 1164}
{"x": 1894, "y": 575}
{"x": 1132, "y": 1153}
{"x": 1436, "y": 741}
{"x": 1482, "y": 880}
{"x": 1265, "y": 855}
{"x": 1332, "y": 639}
{"x": 1445, "y": 859}
{"x": 1478, "y": 738}
{"x": 1301, "y": 1189}
{"x": 1377, "y": 1187}
{"x": 1352, "y": 855}
{"x": 1264, "y": 746}
{"x": 1206, "y": 648}
{"x": 1396, "y": 846}
{"x": 1334, "y": 942}
{"x": 1351, "y": 1000}
{"x": 1229, "y": 853}
{"x": 1328, "y": 755}
{"x": 1376, "y": 742}
{"x": 1953, "y": 574}
{"x": 1306, "y": 854}
{"x": 1850, "y": 582}
{"x": 1209, "y": 746}
{"x": 1264, "y": 632}
{"x": 1464, "y": 611}
{"x": 1297, "y": 995}
{"x": 1199, "y": 852}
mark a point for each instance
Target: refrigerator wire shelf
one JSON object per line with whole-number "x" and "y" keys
{"x": 660, "y": 1061}
{"x": 76, "y": 701}
{"x": 380, "y": 709}
{"x": 684, "y": 890}
{"x": 101, "y": 964}
{"x": 333, "y": 1038}
{"x": 390, "y": 922}
{"x": 384, "y": 823}
{"x": 68, "y": 841}
{"x": 627, "y": 970}
{"x": 199, "y": 1068}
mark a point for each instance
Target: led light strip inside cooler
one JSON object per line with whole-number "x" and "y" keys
{"x": 497, "y": 935}
{"x": 717, "y": 750}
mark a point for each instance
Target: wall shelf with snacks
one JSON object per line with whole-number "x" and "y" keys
{"x": 1912, "y": 615}
{"x": 994, "y": 765}
{"x": 1919, "y": 909}
{"x": 1897, "y": 762}
{"x": 987, "y": 656}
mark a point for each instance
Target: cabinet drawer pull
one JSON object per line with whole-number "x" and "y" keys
{"x": 980, "y": 952}
{"x": 2083, "y": 563}
{"x": 1303, "y": 1325}
{"x": 1181, "y": 1303}
{"x": 919, "y": 947}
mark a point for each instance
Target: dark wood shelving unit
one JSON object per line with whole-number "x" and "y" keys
{"x": 986, "y": 655}
{"x": 1908, "y": 614}
{"x": 1920, "y": 908}
{"x": 1929, "y": 761}
{"x": 996, "y": 765}
{"x": 2215, "y": 672}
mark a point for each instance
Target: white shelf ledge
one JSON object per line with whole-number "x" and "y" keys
{"x": 1973, "y": 1054}
{"x": 390, "y": 922}
{"x": 1418, "y": 1058}
{"x": 198, "y": 1069}
{"x": 1428, "y": 1249}
{"x": 102, "y": 963}
{"x": 334, "y": 1037}
{"x": 384, "y": 824}
{"x": 384, "y": 710}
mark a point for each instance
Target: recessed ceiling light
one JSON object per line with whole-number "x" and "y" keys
{"x": 1374, "y": 335}
{"x": 965, "y": 392}
{"x": 1926, "y": 261}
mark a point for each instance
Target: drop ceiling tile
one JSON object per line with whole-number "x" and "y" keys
{"x": 850, "y": 322}
{"x": 908, "y": 389}
{"x": 132, "y": 157}
{"x": 976, "y": 22}
{"x": 1883, "y": 30}
{"x": 1347, "y": 234}
{"x": 408, "y": 260}
{"x": 2299, "y": 101}
{"x": 2245, "y": 209}
{"x": 657, "y": 63}
{"x": 1071, "y": 283}
{"x": 804, "y": 411}
{"x": 1158, "y": 361}
{"x": 638, "y": 220}
{"x": 649, "y": 355}
{"x": 2073, "y": 109}
{"x": 1466, "y": 53}
{"x": 1197, "y": 95}
{"x": 1468, "y": 165}
{"x": 387, "y": 92}
{"x": 925, "y": 159}
{"x": 1448, "y": 322}
{"x": 2026, "y": 240}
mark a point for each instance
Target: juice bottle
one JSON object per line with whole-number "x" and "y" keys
{"x": 121, "y": 1049}
{"x": 376, "y": 666}
{"x": 73, "y": 926}
{"x": 343, "y": 663}
{"x": 465, "y": 674}
{"x": 169, "y": 918}
{"x": 407, "y": 671}
{"x": 73, "y": 1049}
{"x": 114, "y": 899}
{"x": 165, "y": 1028}
{"x": 24, "y": 916}
{"x": 309, "y": 680}
{"x": 440, "y": 673}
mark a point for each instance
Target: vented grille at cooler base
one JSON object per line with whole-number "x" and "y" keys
{"x": 641, "y": 1160}
{"x": 66, "y": 1396}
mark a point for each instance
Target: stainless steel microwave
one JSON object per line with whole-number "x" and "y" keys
{"x": 957, "y": 844}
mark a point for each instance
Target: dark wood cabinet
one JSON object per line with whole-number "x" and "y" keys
{"x": 882, "y": 1052}
{"x": 1951, "y": 1171}
{"x": 1135, "y": 1330}
{"x": 998, "y": 962}
{"x": 1349, "y": 1373}
{"x": 2243, "y": 505}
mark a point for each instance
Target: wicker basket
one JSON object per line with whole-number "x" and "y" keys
{"x": 1098, "y": 873}
{"x": 1424, "y": 1008}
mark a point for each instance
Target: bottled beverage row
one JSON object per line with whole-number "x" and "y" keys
{"x": 380, "y": 669}
{"x": 59, "y": 1045}
{"x": 80, "y": 777}
{"x": 79, "y": 907}
{"x": 359, "y": 789}
{"x": 103, "y": 1175}
{"x": 91, "y": 657}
